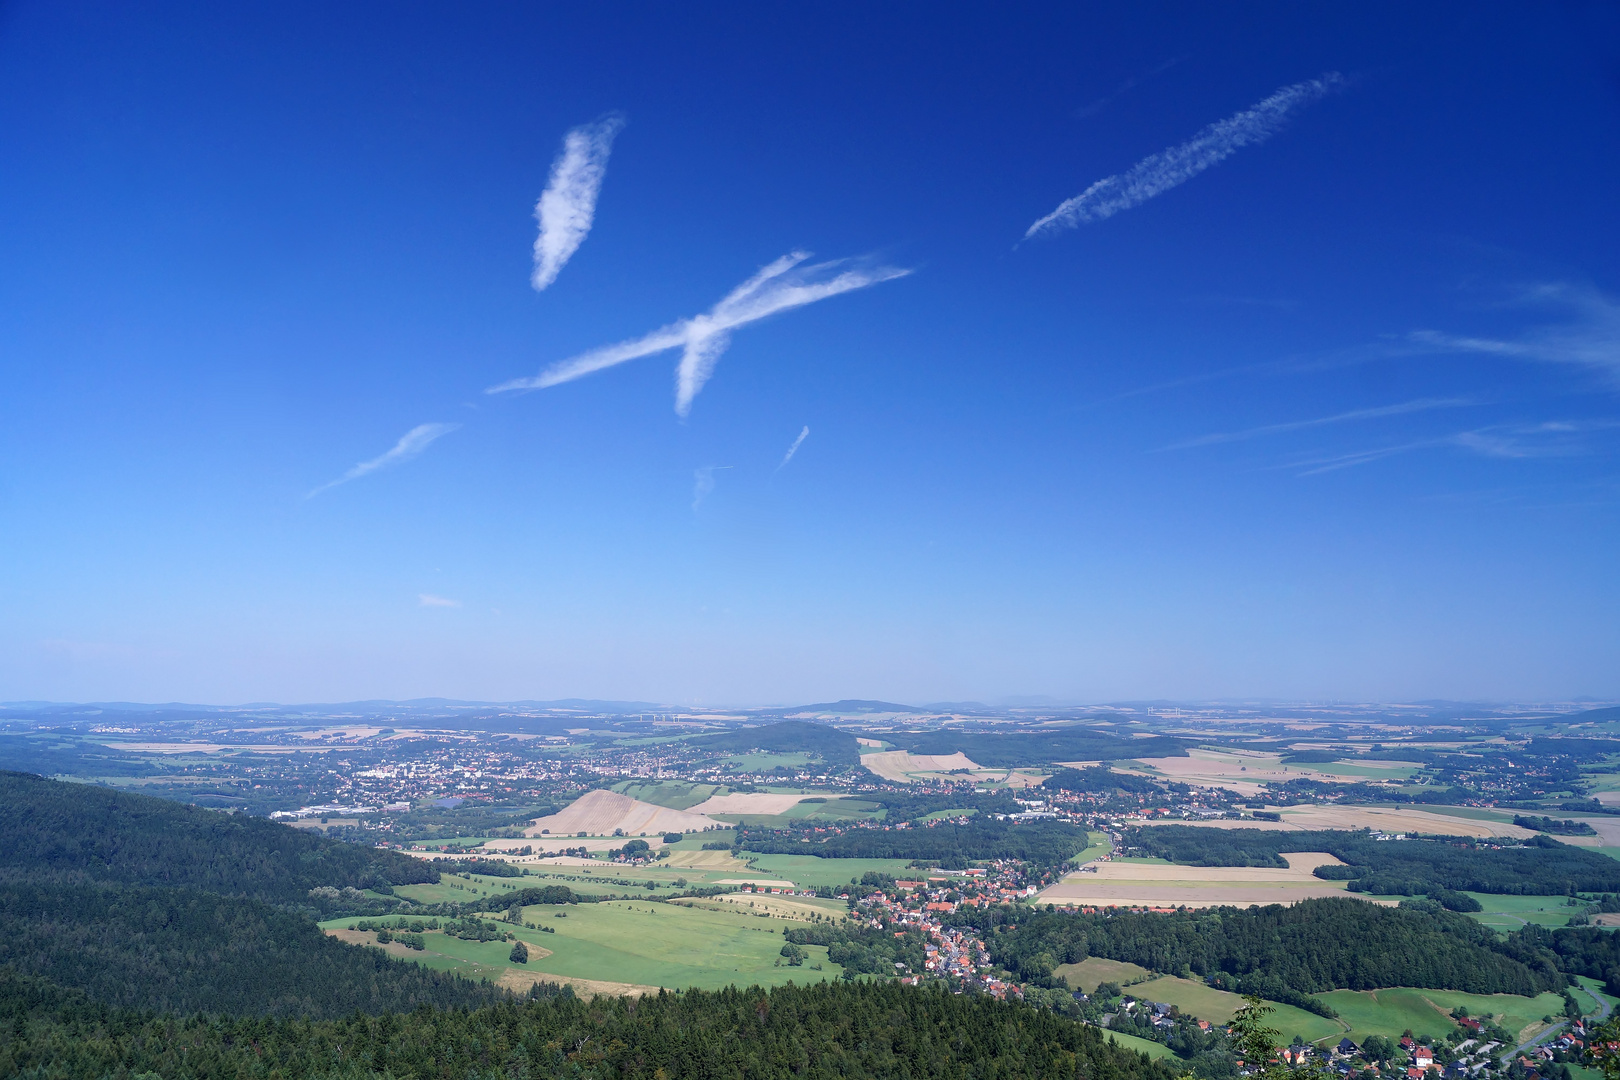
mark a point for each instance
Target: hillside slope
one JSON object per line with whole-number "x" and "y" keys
{"x": 148, "y": 904}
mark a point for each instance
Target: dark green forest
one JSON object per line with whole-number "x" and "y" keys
{"x": 788, "y": 737}
{"x": 1004, "y": 749}
{"x": 83, "y": 832}
{"x": 1098, "y": 779}
{"x": 1281, "y": 953}
{"x": 149, "y": 904}
{"x": 1541, "y": 867}
{"x": 835, "y": 1031}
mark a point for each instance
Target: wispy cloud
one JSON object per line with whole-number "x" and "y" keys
{"x": 1419, "y": 405}
{"x": 703, "y": 483}
{"x": 1513, "y": 442}
{"x": 794, "y": 449}
{"x": 568, "y": 205}
{"x": 781, "y": 286}
{"x": 1131, "y": 83}
{"x": 412, "y": 443}
{"x": 1160, "y": 172}
{"x": 429, "y": 600}
{"x": 1590, "y": 338}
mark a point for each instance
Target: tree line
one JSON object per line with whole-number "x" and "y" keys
{"x": 1541, "y": 866}
{"x": 946, "y": 845}
{"x": 1281, "y": 953}
{"x": 843, "y": 1031}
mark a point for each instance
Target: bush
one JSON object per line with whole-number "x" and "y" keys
{"x": 519, "y": 953}
{"x": 672, "y": 838}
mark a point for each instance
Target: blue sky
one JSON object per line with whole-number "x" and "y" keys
{"x": 1326, "y": 406}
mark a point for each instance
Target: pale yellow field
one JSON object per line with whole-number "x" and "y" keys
{"x": 520, "y": 981}
{"x": 707, "y": 860}
{"x": 1242, "y": 771}
{"x": 901, "y": 766}
{"x": 1395, "y": 820}
{"x": 749, "y": 802}
{"x": 1300, "y": 865}
{"x": 802, "y": 908}
{"x": 600, "y": 812}
{"x": 1127, "y": 883}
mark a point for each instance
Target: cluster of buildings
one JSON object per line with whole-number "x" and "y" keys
{"x": 953, "y": 952}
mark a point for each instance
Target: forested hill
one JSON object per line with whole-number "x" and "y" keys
{"x": 788, "y": 737}
{"x": 80, "y": 831}
{"x": 1003, "y": 749}
{"x": 1280, "y": 952}
{"x": 148, "y": 904}
{"x": 1542, "y": 867}
{"x": 820, "y": 1032}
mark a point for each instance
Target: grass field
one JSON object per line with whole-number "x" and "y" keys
{"x": 1091, "y": 971}
{"x": 647, "y": 944}
{"x": 675, "y": 794}
{"x": 1390, "y": 1012}
{"x": 1514, "y": 912}
{"x": 830, "y": 809}
{"x": 1143, "y": 1046}
{"x": 1097, "y": 845}
{"x": 1218, "y": 1007}
{"x": 798, "y": 908}
{"x": 762, "y": 761}
{"x": 810, "y": 871}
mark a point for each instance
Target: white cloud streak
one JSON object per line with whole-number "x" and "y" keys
{"x": 568, "y": 205}
{"x": 794, "y": 449}
{"x": 412, "y": 443}
{"x": 703, "y": 483}
{"x": 429, "y": 600}
{"x": 1509, "y": 442}
{"x": 780, "y": 286}
{"x": 1590, "y": 339}
{"x": 1160, "y": 172}
{"x": 1419, "y": 405}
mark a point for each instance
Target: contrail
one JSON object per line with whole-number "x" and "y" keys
{"x": 794, "y": 449}
{"x": 568, "y": 205}
{"x": 1162, "y": 171}
{"x": 412, "y": 443}
{"x": 781, "y": 286}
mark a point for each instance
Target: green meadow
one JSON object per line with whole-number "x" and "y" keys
{"x": 1143, "y": 1046}
{"x": 648, "y": 944}
{"x": 809, "y": 871}
{"x": 1507, "y": 913}
{"x": 675, "y": 794}
{"x": 1089, "y": 973}
{"x": 1425, "y": 1012}
{"x": 1218, "y": 1007}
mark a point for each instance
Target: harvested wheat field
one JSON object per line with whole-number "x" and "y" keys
{"x": 1128, "y": 883}
{"x": 519, "y": 982}
{"x": 903, "y": 767}
{"x": 1243, "y": 771}
{"x": 1380, "y": 819}
{"x": 751, "y": 802}
{"x": 707, "y": 861}
{"x": 599, "y": 813}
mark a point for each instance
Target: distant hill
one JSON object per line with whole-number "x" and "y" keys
{"x": 1003, "y": 749}
{"x": 788, "y": 737}
{"x": 149, "y": 904}
{"x": 854, "y": 706}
